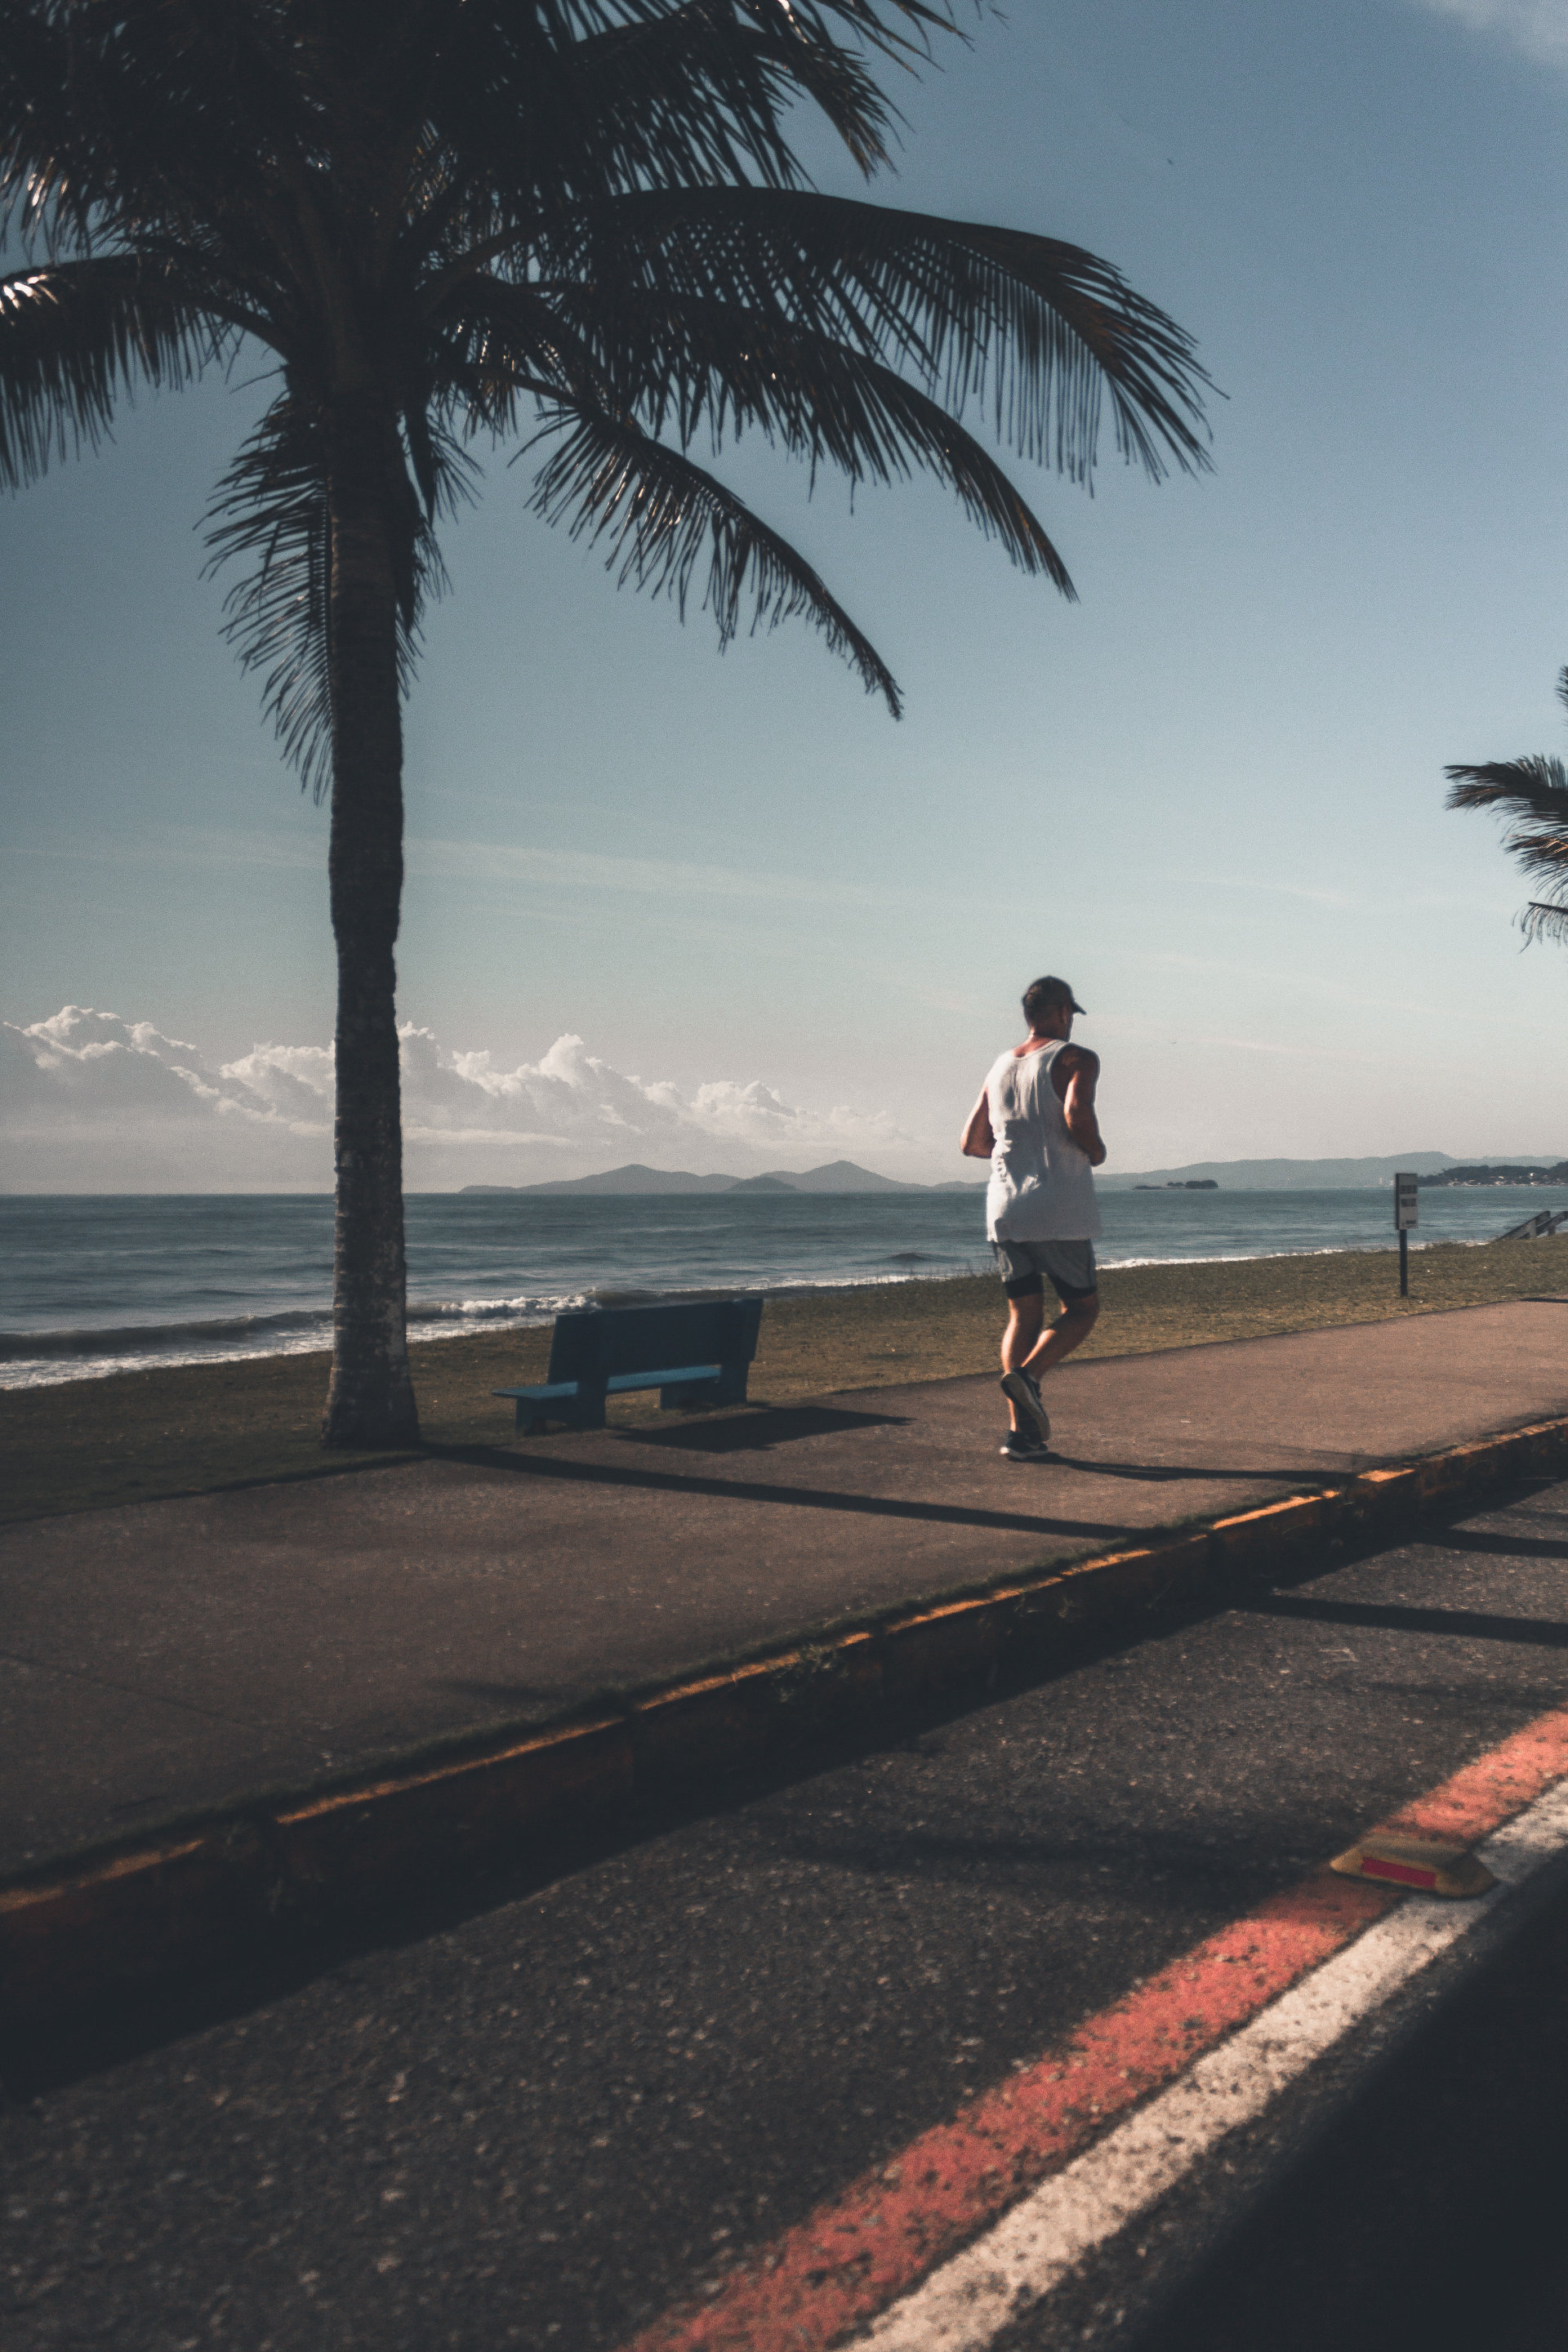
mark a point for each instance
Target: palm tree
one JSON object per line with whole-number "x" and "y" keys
{"x": 449, "y": 221}
{"x": 1531, "y": 795}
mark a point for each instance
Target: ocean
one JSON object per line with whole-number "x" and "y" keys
{"x": 90, "y": 1285}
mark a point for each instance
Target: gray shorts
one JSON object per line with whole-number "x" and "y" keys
{"x": 1027, "y": 1267}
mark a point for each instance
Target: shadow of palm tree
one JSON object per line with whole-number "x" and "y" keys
{"x": 589, "y": 1473}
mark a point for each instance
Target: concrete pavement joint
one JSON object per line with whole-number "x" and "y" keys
{"x": 202, "y": 1893}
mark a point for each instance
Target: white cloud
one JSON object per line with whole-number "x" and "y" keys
{"x": 85, "y": 1066}
{"x": 93, "y": 1102}
{"x": 1539, "y": 27}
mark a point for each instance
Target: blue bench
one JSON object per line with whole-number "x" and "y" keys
{"x": 693, "y": 1351}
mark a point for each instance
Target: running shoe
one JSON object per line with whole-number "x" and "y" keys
{"x": 1023, "y": 1445}
{"x": 1023, "y": 1390}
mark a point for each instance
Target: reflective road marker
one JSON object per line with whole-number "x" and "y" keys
{"x": 1431, "y": 1867}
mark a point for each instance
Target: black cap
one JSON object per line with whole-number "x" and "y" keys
{"x": 1050, "y": 989}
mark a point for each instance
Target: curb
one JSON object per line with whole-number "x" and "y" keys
{"x": 125, "y": 1917}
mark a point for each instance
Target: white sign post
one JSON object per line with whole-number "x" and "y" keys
{"x": 1407, "y": 1212}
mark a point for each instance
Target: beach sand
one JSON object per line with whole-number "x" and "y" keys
{"x": 194, "y": 1427}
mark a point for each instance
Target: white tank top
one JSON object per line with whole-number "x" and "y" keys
{"x": 1042, "y": 1186}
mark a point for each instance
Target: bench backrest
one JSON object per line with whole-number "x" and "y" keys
{"x": 594, "y": 1343}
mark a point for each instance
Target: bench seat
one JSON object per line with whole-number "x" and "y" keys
{"x": 619, "y": 1383}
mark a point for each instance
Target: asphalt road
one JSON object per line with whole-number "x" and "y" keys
{"x": 547, "y": 2121}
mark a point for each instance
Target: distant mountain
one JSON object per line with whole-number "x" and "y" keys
{"x": 633, "y": 1178}
{"x": 837, "y": 1176}
{"x": 842, "y": 1176}
{"x": 1287, "y": 1175}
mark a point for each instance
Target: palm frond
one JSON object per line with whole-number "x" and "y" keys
{"x": 671, "y": 92}
{"x": 661, "y": 514}
{"x": 502, "y": 342}
{"x": 77, "y": 335}
{"x": 272, "y": 508}
{"x": 147, "y": 112}
{"x": 1546, "y": 918}
{"x": 730, "y": 69}
{"x": 684, "y": 365}
{"x": 684, "y": 96}
{"x": 1532, "y": 796}
{"x": 445, "y": 473}
{"x": 1042, "y": 334}
{"x": 532, "y": 111}
{"x": 910, "y": 429}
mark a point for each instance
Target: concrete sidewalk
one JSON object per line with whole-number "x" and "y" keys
{"x": 172, "y": 1654}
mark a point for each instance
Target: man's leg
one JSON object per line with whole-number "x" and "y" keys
{"x": 1071, "y": 1327}
{"x": 1025, "y": 1317}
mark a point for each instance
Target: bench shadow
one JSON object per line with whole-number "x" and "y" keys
{"x": 1466, "y": 1624}
{"x": 761, "y": 1431}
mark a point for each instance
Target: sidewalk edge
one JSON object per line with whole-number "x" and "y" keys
{"x": 203, "y": 1894}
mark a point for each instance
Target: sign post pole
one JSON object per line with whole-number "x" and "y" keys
{"x": 1407, "y": 1212}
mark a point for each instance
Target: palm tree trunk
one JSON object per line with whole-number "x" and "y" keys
{"x": 371, "y": 1401}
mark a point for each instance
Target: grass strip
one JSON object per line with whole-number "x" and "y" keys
{"x": 191, "y": 1428}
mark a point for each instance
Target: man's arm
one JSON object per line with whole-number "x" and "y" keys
{"x": 1082, "y": 1075}
{"x": 977, "y": 1142}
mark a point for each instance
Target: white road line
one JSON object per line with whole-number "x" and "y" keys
{"x": 968, "y": 2302}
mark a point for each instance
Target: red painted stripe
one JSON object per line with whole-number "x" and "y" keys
{"x": 857, "y": 2254}
{"x": 1494, "y": 1788}
{"x": 1373, "y": 1866}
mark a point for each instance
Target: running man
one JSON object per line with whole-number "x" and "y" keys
{"x": 1035, "y": 1122}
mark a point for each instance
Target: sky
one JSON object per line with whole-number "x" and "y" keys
{"x": 721, "y": 911}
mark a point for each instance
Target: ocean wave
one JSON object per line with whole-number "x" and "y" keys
{"x": 235, "y": 1331}
{"x": 1240, "y": 1256}
{"x": 491, "y": 1310}
{"x": 44, "y": 1359}
{"x": 121, "y": 1338}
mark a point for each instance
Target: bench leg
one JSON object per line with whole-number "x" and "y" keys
{"x": 685, "y": 1396}
{"x": 581, "y": 1411}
